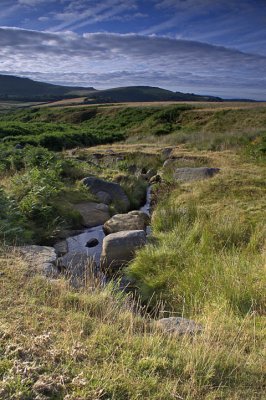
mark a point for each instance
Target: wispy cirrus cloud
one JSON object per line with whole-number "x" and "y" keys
{"x": 106, "y": 60}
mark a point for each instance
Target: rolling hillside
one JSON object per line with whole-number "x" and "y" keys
{"x": 143, "y": 94}
{"x": 16, "y": 88}
{"x": 24, "y": 89}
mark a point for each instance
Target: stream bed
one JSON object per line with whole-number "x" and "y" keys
{"x": 77, "y": 244}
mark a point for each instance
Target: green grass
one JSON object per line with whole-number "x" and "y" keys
{"x": 68, "y": 128}
{"x": 208, "y": 242}
{"x": 86, "y": 344}
{"x": 205, "y": 259}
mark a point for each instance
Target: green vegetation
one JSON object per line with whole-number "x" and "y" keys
{"x": 143, "y": 94}
{"x": 24, "y": 89}
{"x": 205, "y": 259}
{"x": 57, "y": 343}
{"x": 209, "y": 238}
{"x": 66, "y": 128}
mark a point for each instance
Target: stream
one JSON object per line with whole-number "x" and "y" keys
{"x": 77, "y": 244}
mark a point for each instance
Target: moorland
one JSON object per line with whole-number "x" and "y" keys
{"x": 204, "y": 260}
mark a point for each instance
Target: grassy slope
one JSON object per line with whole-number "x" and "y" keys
{"x": 16, "y": 88}
{"x": 68, "y": 128}
{"x": 206, "y": 261}
{"x": 61, "y": 344}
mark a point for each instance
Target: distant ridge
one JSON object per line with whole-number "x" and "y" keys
{"x": 144, "y": 94}
{"x": 25, "y": 89}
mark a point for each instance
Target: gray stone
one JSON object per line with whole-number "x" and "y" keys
{"x": 93, "y": 214}
{"x": 61, "y": 248}
{"x": 119, "y": 248}
{"x": 179, "y": 326}
{"x": 77, "y": 267}
{"x": 134, "y": 220}
{"x": 104, "y": 197}
{"x": 41, "y": 259}
{"x": 114, "y": 190}
{"x": 194, "y": 174}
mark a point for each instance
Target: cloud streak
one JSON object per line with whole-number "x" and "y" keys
{"x": 106, "y": 60}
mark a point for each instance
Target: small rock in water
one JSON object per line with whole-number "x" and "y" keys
{"x": 179, "y": 326}
{"x": 92, "y": 243}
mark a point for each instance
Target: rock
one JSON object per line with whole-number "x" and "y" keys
{"x": 134, "y": 220}
{"x": 92, "y": 243}
{"x": 40, "y": 259}
{"x": 155, "y": 179}
{"x": 18, "y": 146}
{"x": 179, "y": 326}
{"x": 119, "y": 248}
{"x": 104, "y": 197}
{"x": 61, "y": 248}
{"x": 141, "y": 214}
{"x": 93, "y": 214}
{"x": 194, "y": 174}
{"x": 78, "y": 268}
{"x": 114, "y": 190}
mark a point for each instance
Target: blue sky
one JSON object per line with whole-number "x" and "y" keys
{"x": 203, "y": 46}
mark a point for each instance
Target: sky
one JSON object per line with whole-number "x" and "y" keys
{"x": 215, "y": 47}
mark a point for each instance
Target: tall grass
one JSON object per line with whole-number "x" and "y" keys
{"x": 65, "y": 344}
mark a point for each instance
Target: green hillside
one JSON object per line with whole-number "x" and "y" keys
{"x": 24, "y": 89}
{"x": 143, "y": 94}
{"x": 16, "y": 88}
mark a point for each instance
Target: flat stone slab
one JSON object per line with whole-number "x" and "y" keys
{"x": 194, "y": 174}
{"x": 178, "y": 326}
{"x": 134, "y": 220}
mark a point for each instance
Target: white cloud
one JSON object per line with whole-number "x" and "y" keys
{"x": 105, "y": 60}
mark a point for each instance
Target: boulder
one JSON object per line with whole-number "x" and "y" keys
{"x": 134, "y": 220}
{"x": 61, "y": 248}
{"x": 114, "y": 190}
{"x": 179, "y": 326}
{"x": 194, "y": 174}
{"x": 41, "y": 259}
{"x": 79, "y": 268}
{"x": 93, "y": 214}
{"x": 104, "y": 197}
{"x": 119, "y": 248}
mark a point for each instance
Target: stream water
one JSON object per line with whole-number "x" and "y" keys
{"x": 77, "y": 244}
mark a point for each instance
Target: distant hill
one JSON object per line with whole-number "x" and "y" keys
{"x": 25, "y": 89}
{"x": 15, "y": 88}
{"x": 144, "y": 94}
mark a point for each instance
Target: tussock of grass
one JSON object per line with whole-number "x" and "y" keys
{"x": 209, "y": 240}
